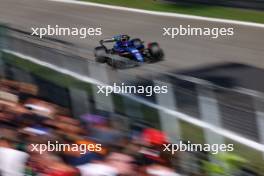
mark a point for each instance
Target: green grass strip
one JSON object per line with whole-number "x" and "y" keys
{"x": 193, "y": 9}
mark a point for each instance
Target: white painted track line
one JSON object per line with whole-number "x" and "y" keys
{"x": 166, "y": 14}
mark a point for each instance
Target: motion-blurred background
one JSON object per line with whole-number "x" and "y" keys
{"x": 48, "y": 91}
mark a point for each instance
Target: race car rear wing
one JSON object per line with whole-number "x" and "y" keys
{"x": 107, "y": 41}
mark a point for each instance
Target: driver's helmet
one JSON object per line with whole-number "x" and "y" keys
{"x": 124, "y": 39}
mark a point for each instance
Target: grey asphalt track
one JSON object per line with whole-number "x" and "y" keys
{"x": 246, "y": 46}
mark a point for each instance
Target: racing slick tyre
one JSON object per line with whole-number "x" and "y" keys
{"x": 100, "y": 54}
{"x": 155, "y": 52}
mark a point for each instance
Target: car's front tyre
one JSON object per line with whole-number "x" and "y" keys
{"x": 100, "y": 54}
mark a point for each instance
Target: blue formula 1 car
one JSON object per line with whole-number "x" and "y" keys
{"x": 127, "y": 52}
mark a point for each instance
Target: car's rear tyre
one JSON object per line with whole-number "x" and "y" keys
{"x": 100, "y": 54}
{"x": 155, "y": 52}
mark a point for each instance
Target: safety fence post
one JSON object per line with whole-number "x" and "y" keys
{"x": 169, "y": 123}
{"x": 209, "y": 110}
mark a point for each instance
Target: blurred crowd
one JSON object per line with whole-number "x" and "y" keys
{"x": 27, "y": 119}
{"x": 112, "y": 147}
